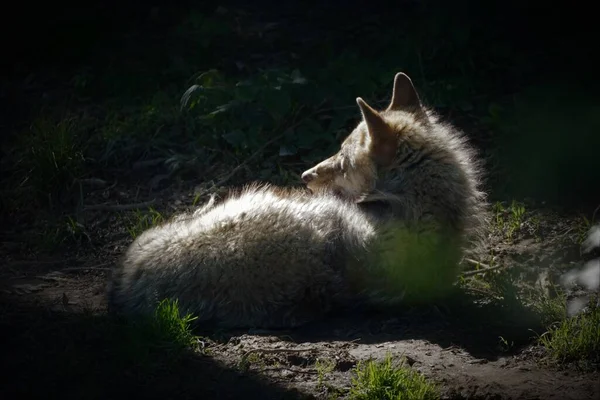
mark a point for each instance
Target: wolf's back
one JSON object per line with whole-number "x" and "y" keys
{"x": 261, "y": 258}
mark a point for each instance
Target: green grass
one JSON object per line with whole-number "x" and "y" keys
{"x": 50, "y": 158}
{"x": 323, "y": 367}
{"x": 523, "y": 309}
{"x": 139, "y": 221}
{"x": 167, "y": 333}
{"x": 583, "y": 228}
{"x": 384, "y": 381}
{"x": 575, "y": 339}
{"x": 508, "y": 219}
{"x": 66, "y": 231}
{"x": 170, "y": 326}
{"x": 549, "y": 309}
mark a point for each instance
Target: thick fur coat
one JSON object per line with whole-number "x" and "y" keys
{"x": 403, "y": 194}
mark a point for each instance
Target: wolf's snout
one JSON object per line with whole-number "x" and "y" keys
{"x": 308, "y": 176}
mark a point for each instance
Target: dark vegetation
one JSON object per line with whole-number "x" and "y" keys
{"x": 156, "y": 104}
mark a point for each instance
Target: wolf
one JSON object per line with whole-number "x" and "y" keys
{"x": 400, "y": 196}
{"x": 264, "y": 257}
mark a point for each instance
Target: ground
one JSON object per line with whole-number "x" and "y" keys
{"x": 52, "y": 309}
{"x": 143, "y": 159}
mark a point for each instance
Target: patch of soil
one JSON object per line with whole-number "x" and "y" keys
{"x": 261, "y": 364}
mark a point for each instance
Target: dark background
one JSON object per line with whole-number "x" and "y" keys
{"x": 552, "y": 45}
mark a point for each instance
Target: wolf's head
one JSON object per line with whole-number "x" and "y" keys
{"x": 407, "y": 158}
{"x": 372, "y": 146}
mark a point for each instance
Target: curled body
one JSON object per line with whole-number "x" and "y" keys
{"x": 391, "y": 213}
{"x": 263, "y": 257}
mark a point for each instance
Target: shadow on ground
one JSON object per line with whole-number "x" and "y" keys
{"x": 460, "y": 321}
{"x": 51, "y": 354}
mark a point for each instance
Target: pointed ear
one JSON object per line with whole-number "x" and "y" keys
{"x": 384, "y": 142}
{"x": 404, "y": 94}
{"x": 374, "y": 122}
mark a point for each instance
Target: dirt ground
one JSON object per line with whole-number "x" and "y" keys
{"x": 52, "y": 308}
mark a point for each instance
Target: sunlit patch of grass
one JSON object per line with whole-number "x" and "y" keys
{"x": 167, "y": 332}
{"x": 551, "y": 309}
{"x": 170, "y": 326}
{"x": 383, "y": 380}
{"x": 575, "y": 339}
{"x": 323, "y": 367}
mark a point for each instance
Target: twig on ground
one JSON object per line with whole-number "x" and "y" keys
{"x": 475, "y": 262}
{"x": 485, "y": 268}
{"x": 487, "y": 293}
